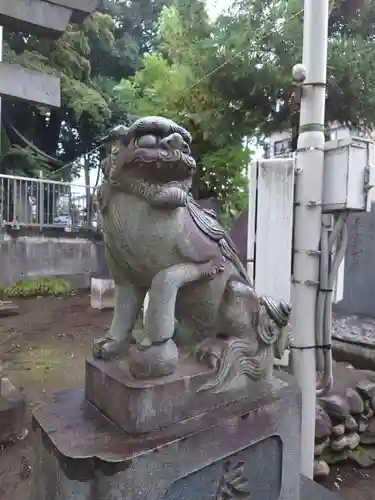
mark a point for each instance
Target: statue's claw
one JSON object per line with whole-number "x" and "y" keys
{"x": 105, "y": 348}
{"x": 216, "y": 268}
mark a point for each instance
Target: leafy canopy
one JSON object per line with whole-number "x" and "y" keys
{"x": 172, "y": 82}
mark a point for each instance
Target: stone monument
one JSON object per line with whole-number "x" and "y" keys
{"x": 155, "y": 421}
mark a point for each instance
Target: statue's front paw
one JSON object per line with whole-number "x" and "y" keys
{"x": 216, "y": 268}
{"x": 105, "y": 348}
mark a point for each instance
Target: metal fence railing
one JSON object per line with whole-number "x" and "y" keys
{"x": 26, "y": 201}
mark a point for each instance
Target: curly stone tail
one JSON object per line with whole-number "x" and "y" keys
{"x": 239, "y": 359}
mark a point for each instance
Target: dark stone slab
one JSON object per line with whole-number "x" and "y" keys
{"x": 314, "y": 491}
{"x": 252, "y": 449}
{"x": 139, "y": 406}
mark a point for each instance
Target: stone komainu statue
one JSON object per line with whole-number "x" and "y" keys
{"x": 158, "y": 239}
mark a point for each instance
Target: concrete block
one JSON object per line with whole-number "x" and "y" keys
{"x": 36, "y": 17}
{"x": 27, "y": 257}
{"x": 27, "y": 85}
{"x": 250, "y": 449}
{"x": 12, "y": 412}
{"x": 102, "y": 293}
{"x": 80, "y": 8}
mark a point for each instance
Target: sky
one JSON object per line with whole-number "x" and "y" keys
{"x": 214, "y": 7}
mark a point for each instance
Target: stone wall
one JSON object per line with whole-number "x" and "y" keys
{"x": 29, "y": 253}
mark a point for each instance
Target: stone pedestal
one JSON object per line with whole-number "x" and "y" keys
{"x": 102, "y": 293}
{"x": 249, "y": 448}
{"x": 139, "y": 406}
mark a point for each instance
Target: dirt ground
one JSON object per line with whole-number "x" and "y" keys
{"x": 42, "y": 350}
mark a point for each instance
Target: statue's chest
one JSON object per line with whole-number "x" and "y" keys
{"x": 144, "y": 237}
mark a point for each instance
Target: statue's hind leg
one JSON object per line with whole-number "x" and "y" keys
{"x": 255, "y": 328}
{"x": 239, "y": 310}
{"x": 237, "y": 320}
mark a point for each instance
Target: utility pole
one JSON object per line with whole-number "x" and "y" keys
{"x": 308, "y": 214}
{"x": 1, "y": 110}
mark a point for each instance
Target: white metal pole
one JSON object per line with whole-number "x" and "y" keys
{"x": 308, "y": 198}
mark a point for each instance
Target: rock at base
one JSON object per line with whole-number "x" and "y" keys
{"x": 321, "y": 469}
{"x": 12, "y": 412}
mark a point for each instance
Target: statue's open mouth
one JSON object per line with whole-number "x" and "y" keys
{"x": 157, "y": 164}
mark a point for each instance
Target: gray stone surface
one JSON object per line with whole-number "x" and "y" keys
{"x": 36, "y": 17}
{"x": 313, "y": 491}
{"x": 359, "y": 274}
{"x": 28, "y": 85}
{"x": 160, "y": 240}
{"x": 142, "y": 406}
{"x": 25, "y": 257}
{"x": 12, "y": 412}
{"x": 356, "y": 329}
{"x": 47, "y": 18}
{"x": 249, "y": 446}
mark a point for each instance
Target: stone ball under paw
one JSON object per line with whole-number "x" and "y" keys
{"x": 158, "y": 360}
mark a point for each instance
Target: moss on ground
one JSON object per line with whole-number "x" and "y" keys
{"x": 38, "y": 287}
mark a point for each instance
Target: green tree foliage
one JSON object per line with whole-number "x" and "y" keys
{"x": 224, "y": 81}
{"x": 68, "y": 59}
{"x": 90, "y": 60}
{"x": 261, "y": 41}
{"x": 171, "y": 82}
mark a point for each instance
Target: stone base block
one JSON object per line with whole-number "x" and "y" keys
{"x": 102, "y": 293}
{"x": 139, "y": 406}
{"x": 248, "y": 449}
{"x": 12, "y": 412}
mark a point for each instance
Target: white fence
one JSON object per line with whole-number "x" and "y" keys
{"x": 39, "y": 202}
